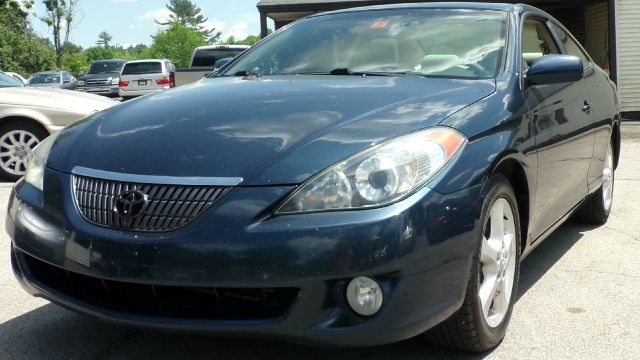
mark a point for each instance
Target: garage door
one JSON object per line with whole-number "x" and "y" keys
{"x": 628, "y": 34}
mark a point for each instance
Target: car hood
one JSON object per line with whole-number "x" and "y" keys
{"x": 54, "y": 98}
{"x": 268, "y": 131}
{"x": 45, "y": 85}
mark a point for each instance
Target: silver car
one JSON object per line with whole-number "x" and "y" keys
{"x": 53, "y": 79}
{"x": 29, "y": 114}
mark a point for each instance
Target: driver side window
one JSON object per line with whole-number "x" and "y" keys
{"x": 536, "y": 41}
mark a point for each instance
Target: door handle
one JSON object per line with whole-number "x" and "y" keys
{"x": 586, "y": 108}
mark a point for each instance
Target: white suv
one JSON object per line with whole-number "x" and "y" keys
{"x": 142, "y": 77}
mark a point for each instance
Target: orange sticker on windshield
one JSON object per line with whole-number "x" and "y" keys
{"x": 379, "y": 24}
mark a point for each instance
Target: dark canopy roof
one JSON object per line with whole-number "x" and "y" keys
{"x": 285, "y": 11}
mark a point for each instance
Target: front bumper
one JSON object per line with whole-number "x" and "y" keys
{"x": 100, "y": 90}
{"x": 420, "y": 250}
{"x": 137, "y": 93}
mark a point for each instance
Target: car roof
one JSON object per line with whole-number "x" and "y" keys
{"x": 223, "y": 46}
{"x": 147, "y": 60}
{"x": 110, "y": 60}
{"x": 49, "y": 72}
{"x": 435, "y": 5}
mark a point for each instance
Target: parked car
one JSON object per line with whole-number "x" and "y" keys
{"x": 360, "y": 177}
{"x": 143, "y": 77}
{"x": 28, "y": 115}
{"x": 17, "y": 77}
{"x": 54, "y": 79}
{"x": 102, "y": 77}
{"x": 203, "y": 62}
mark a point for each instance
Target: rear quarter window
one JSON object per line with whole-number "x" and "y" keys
{"x": 571, "y": 47}
{"x": 142, "y": 68}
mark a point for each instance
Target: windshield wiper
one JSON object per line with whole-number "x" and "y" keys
{"x": 346, "y": 71}
{"x": 247, "y": 73}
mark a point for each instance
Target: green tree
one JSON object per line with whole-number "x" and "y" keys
{"x": 101, "y": 53}
{"x": 75, "y": 63}
{"x": 187, "y": 14}
{"x": 73, "y": 59}
{"x": 176, "y": 43}
{"x": 138, "y": 51}
{"x": 60, "y": 17}
{"x": 104, "y": 39}
{"x": 249, "y": 40}
{"x": 15, "y": 7}
{"x": 71, "y": 48}
{"x": 21, "y": 50}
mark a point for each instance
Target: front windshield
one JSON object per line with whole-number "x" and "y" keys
{"x": 428, "y": 42}
{"x": 103, "y": 67}
{"x": 44, "y": 79}
{"x": 8, "y": 81}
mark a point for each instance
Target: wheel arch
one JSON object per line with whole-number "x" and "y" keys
{"x": 514, "y": 171}
{"x": 616, "y": 139}
{"x": 26, "y": 119}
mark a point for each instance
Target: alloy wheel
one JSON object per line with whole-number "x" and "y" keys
{"x": 607, "y": 181}
{"x": 15, "y": 151}
{"x": 498, "y": 263}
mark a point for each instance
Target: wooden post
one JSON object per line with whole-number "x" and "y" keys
{"x": 263, "y": 25}
{"x": 613, "y": 41}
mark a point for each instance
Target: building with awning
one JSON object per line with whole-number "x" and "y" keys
{"x": 608, "y": 29}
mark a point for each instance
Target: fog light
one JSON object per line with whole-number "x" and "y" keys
{"x": 364, "y": 296}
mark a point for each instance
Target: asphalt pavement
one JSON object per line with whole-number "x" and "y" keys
{"x": 579, "y": 298}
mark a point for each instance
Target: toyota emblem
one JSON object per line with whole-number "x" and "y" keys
{"x": 131, "y": 204}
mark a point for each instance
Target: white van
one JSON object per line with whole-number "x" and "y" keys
{"x": 142, "y": 77}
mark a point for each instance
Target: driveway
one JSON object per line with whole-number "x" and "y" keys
{"x": 579, "y": 298}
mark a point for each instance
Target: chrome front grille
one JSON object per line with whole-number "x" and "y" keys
{"x": 98, "y": 82}
{"x": 167, "y": 207}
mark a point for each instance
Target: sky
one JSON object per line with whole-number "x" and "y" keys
{"x": 131, "y": 22}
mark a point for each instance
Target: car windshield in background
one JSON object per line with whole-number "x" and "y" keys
{"x": 45, "y": 79}
{"x": 152, "y": 67}
{"x": 105, "y": 67}
{"x": 208, "y": 57}
{"x": 8, "y": 81}
{"x": 439, "y": 43}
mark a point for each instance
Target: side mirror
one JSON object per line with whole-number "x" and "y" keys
{"x": 221, "y": 64}
{"x": 556, "y": 69}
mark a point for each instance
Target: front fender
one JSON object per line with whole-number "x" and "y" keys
{"x": 51, "y": 119}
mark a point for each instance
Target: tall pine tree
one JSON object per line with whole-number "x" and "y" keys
{"x": 187, "y": 14}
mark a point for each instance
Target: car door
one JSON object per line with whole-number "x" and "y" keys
{"x": 601, "y": 97}
{"x": 562, "y": 123}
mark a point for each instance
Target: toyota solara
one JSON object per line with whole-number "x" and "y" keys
{"x": 358, "y": 178}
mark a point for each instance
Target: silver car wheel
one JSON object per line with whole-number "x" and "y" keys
{"x": 607, "y": 181}
{"x": 15, "y": 151}
{"x": 498, "y": 262}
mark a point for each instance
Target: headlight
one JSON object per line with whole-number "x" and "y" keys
{"x": 115, "y": 81}
{"x": 379, "y": 175}
{"x": 80, "y": 82}
{"x": 35, "y": 167}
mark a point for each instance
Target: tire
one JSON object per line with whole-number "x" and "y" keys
{"x": 17, "y": 140}
{"x": 597, "y": 207}
{"x": 469, "y": 329}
